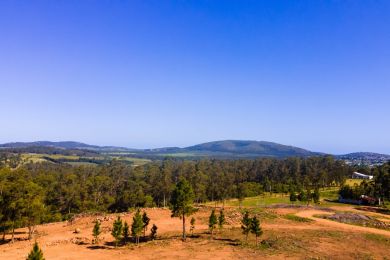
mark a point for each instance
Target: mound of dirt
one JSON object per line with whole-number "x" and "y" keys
{"x": 233, "y": 218}
{"x": 80, "y": 240}
{"x": 358, "y": 219}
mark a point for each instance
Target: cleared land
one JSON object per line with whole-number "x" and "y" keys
{"x": 81, "y": 160}
{"x": 290, "y": 231}
{"x": 352, "y": 182}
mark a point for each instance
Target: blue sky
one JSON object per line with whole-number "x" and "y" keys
{"x": 314, "y": 74}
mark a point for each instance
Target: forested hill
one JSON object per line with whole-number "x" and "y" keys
{"x": 62, "y": 145}
{"x": 228, "y": 149}
{"x": 249, "y": 149}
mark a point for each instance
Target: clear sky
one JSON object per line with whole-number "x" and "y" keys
{"x": 314, "y": 74}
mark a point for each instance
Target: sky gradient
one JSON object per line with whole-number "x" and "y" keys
{"x": 145, "y": 74}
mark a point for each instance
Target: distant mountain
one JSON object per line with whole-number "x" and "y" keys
{"x": 225, "y": 149}
{"x": 216, "y": 149}
{"x": 63, "y": 145}
{"x": 249, "y": 149}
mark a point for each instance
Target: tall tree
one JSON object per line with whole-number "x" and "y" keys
{"x": 293, "y": 196}
{"x": 308, "y": 196}
{"x": 137, "y": 226}
{"x": 181, "y": 203}
{"x": 221, "y": 219}
{"x": 145, "y": 220}
{"x": 316, "y": 195}
{"x": 126, "y": 232}
{"x": 212, "y": 222}
{"x": 246, "y": 225}
{"x": 241, "y": 193}
{"x": 34, "y": 209}
{"x": 96, "y": 231}
{"x": 117, "y": 230}
{"x": 255, "y": 228}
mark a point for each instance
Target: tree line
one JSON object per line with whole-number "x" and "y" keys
{"x": 181, "y": 206}
{"x": 44, "y": 192}
{"x": 379, "y": 188}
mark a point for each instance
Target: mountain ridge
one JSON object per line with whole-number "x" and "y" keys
{"x": 222, "y": 148}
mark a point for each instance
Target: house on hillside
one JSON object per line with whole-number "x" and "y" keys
{"x": 363, "y": 200}
{"x": 358, "y": 175}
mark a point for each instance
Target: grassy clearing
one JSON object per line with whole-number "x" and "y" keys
{"x": 352, "y": 182}
{"x": 260, "y": 201}
{"x": 73, "y": 159}
{"x": 134, "y": 161}
{"x": 296, "y": 218}
{"x": 60, "y": 156}
{"x": 330, "y": 193}
{"x": 277, "y": 198}
{"x": 261, "y": 213}
{"x": 40, "y": 157}
{"x": 34, "y": 158}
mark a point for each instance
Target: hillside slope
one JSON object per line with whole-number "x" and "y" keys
{"x": 249, "y": 148}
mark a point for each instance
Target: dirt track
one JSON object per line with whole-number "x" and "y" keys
{"x": 58, "y": 240}
{"x": 339, "y": 226}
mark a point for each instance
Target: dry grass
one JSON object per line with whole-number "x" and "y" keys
{"x": 285, "y": 235}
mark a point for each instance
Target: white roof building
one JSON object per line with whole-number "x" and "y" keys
{"x": 358, "y": 175}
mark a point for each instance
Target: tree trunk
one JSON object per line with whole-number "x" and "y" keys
{"x": 13, "y": 234}
{"x": 4, "y": 234}
{"x": 184, "y": 227}
{"x": 30, "y": 231}
{"x": 256, "y": 240}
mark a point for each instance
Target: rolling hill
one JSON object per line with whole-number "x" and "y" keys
{"x": 63, "y": 145}
{"x": 218, "y": 149}
{"x": 248, "y": 149}
{"x": 226, "y": 149}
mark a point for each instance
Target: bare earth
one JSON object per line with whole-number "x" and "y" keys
{"x": 282, "y": 238}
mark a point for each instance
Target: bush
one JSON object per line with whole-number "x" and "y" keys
{"x": 36, "y": 253}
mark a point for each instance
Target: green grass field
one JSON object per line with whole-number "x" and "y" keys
{"x": 135, "y": 161}
{"x": 295, "y": 218}
{"x": 260, "y": 201}
{"x": 36, "y": 158}
{"x": 352, "y": 182}
{"x": 275, "y": 198}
